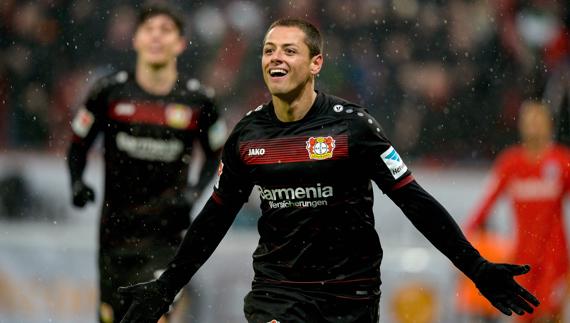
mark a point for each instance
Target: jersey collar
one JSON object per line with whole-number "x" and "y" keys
{"x": 313, "y": 110}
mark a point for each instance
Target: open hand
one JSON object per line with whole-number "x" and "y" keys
{"x": 496, "y": 282}
{"x": 148, "y": 302}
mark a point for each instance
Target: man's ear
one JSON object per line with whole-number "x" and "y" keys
{"x": 181, "y": 46}
{"x": 316, "y": 64}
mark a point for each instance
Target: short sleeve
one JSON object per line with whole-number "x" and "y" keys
{"x": 376, "y": 154}
{"x": 90, "y": 116}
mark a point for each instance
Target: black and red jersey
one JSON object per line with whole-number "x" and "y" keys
{"x": 314, "y": 181}
{"x": 148, "y": 142}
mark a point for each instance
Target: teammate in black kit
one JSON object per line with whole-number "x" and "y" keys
{"x": 313, "y": 157}
{"x": 150, "y": 120}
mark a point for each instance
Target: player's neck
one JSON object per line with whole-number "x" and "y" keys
{"x": 156, "y": 80}
{"x": 535, "y": 149}
{"x": 294, "y": 108}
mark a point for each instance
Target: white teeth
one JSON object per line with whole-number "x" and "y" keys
{"x": 277, "y": 72}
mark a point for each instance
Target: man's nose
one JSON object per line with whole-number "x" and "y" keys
{"x": 156, "y": 33}
{"x": 277, "y": 56}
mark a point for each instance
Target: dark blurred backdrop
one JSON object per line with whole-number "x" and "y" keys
{"x": 444, "y": 78}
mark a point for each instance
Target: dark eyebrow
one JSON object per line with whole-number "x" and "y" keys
{"x": 284, "y": 45}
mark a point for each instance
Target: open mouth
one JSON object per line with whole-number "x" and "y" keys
{"x": 277, "y": 72}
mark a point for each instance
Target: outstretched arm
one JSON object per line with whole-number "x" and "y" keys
{"x": 492, "y": 192}
{"x": 200, "y": 241}
{"x": 150, "y": 300}
{"x": 494, "y": 281}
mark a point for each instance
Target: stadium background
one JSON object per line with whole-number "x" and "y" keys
{"x": 444, "y": 78}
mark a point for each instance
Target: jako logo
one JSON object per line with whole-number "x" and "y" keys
{"x": 256, "y": 152}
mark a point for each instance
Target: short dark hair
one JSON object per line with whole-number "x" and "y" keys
{"x": 154, "y": 10}
{"x": 313, "y": 37}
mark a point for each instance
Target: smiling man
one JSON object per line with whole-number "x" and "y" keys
{"x": 315, "y": 156}
{"x": 150, "y": 120}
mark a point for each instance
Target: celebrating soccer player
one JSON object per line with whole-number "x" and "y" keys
{"x": 313, "y": 157}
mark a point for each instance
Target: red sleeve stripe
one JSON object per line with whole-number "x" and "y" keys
{"x": 216, "y": 198}
{"x": 405, "y": 181}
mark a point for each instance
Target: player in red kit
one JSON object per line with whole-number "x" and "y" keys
{"x": 535, "y": 175}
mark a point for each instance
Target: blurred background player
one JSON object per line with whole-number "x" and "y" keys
{"x": 150, "y": 120}
{"x": 535, "y": 175}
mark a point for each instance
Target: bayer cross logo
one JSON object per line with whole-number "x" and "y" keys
{"x": 320, "y": 147}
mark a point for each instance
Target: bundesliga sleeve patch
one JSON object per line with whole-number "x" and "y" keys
{"x": 82, "y": 122}
{"x": 394, "y": 163}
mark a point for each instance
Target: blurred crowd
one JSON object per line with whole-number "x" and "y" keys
{"x": 444, "y": 78}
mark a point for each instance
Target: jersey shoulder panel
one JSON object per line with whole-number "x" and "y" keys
{"x": 356, "y": 115}
{"x": 363, "y": 125}
{"x": 338, "y": 107}
{"x": 510, "y": 154}
{"x": 245, "y": 122}
{"x": 509, "y": 159}
{"x": 259, "y": 112}
{"x": 198, "y": 89}
{"x": 108, "y": 83}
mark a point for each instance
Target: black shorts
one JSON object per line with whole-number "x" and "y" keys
{"x": 127, "y": 265}
{"x": 284, "y": 304}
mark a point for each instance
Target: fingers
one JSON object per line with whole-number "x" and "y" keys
{"x": 527, "y": 296}
{"x": 90, "y": 195}
{"x": 78, "y": 202}
{"x": 517, "y": 270}
{"x": 518, "y": 301}
{"x": 83, "y": 196}
{"x": 141, "y": 313}
{"x": 133, "y": 314}
{"x": 129, "y": 316}
{"x": 520, "y": 306}
{"x": 514, "y": 307}
{"x": 502, "y": 307}
{"x": 509, "y": 305}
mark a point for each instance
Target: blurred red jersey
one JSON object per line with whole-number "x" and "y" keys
{"x": 536, "y": 190}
